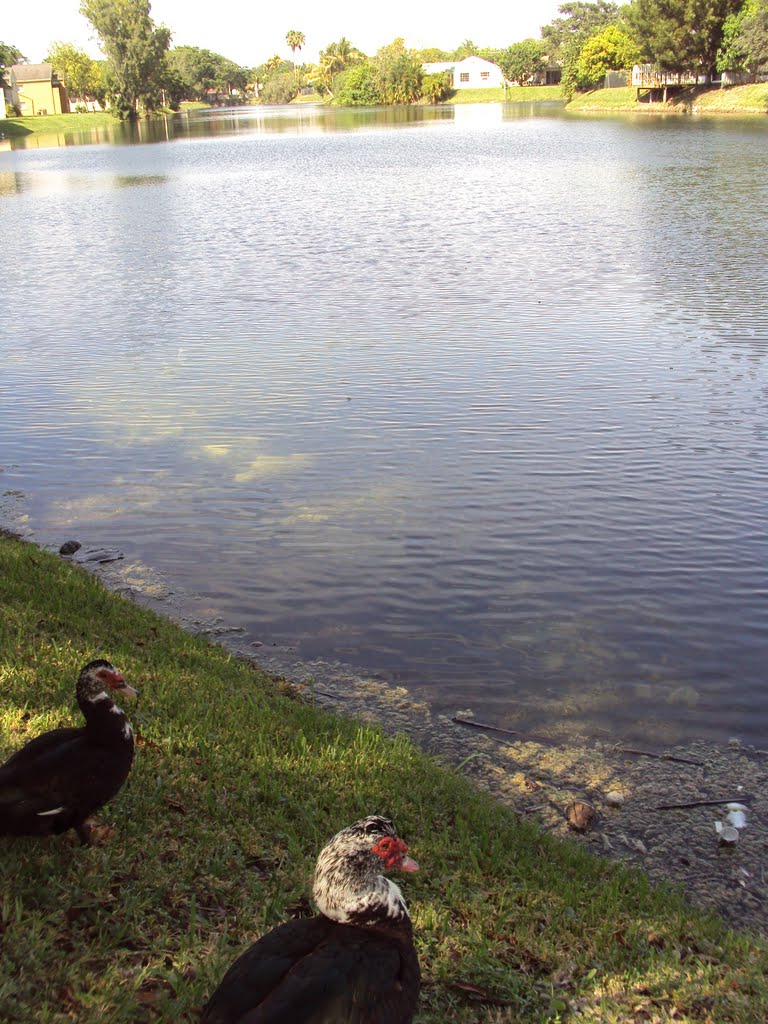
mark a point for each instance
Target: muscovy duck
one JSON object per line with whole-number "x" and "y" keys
{"x": 354, "y": 963}
{"x": 57, "y": 780}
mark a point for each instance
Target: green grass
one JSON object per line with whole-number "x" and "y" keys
{"x": 605, "y": 99}
{"x": 14, "y": 127}
{"x": 235, "y": 788}
{"x": 734, "y": 99}
{"x": 513, "y": 94}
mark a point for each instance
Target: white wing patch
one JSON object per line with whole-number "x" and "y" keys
{"x": 127, "y": 731}
{"x": 56, "y": 810}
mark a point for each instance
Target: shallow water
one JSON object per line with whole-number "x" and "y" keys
{"x": 471, "y": 399}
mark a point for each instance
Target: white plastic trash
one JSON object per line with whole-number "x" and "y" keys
{"x": 736, "y": 816}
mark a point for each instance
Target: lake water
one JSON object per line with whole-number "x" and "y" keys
{"x": 469, "y": 399}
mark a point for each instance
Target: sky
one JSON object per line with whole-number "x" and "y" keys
{"x": 249, "y": 32}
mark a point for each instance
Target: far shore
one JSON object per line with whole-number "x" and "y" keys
{"x": 735, "y": 100}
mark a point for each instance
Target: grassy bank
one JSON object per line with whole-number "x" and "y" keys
{"x": 14, "y": 127}
{"x": 734, "y": 99}
{"x": 513, "y": 94}
{"x": 235, "y": 788}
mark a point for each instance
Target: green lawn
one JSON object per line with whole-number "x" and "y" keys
{"x": 14, "y": 127}
{"x": 605, "y": 99}
{"x": 734, "y": 99}
{"x": 235, "y": 788}
{"x": 513, "y": 94}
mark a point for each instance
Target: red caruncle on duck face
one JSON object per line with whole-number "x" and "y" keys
{"x": 112, "y": 678}
{"x": 393, "y": 852}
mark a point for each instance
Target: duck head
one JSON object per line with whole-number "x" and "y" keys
{"x": 350, "y": 886}
{"x": 99, "y": 680}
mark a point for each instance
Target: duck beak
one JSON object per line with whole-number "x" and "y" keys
{"x": 406, "y": 863}
{"x": 127, "y": 690}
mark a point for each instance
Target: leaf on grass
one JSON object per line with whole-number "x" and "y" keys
{"x": 100, "y": 835}
{"x": 142, "y": 741}
{"x": 486, "y": 997}
{"x": 175, "y": 805}
{"x": 66, "y": 996}
{"x": 152, "y": 991}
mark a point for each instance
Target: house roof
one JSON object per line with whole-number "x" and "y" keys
{"x": 32, "y": 72}
{"x": 433, "y": 67}
{"x": 479, "y": 61}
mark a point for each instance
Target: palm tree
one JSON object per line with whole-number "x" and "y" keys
{"x": 465, "y": 49}
{"x": 295, "y": 41}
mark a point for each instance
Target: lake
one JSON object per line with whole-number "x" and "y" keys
{"x": 471, "y": 400}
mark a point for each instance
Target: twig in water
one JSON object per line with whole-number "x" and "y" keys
{"x": 701, "y": 803}
{"x": 506, "y": 732}
{"x": 659, "y": 757}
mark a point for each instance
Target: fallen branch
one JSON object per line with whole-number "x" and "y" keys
{"x": 506, "y": 732}
{"x": 659, "y": 757}
{"x": 486, "y": 997}
{"x": 701, "y": 803}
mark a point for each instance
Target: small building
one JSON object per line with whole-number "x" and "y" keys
{"x": 36, "y": 89}
{"x": 470, "y": 73}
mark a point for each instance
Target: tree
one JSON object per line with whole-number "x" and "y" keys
{"x": 680, "y": 35}
{"x": 279, "y": 88}
{"x": 274, "y": 63}
{"x": 357, "y": 87}
{"x": 744, "y": 46}
{"x": 398, "y": 73}
{"x": 435, "y": 88}
{"x": 521, "y": 62}
{"x": 9, "y": 56}
{"x": 752, "y": 41}
{"x": 608, "y": 50}
{"x": 579, "y": 20}
{"x": 465, "y": 49}
{"x": 295, "y": 41}
{"x": 564, "y": 37}
{"x": 334, "y": 59}
{"x": 431, "y": 55}
{"x": 79, "y": 72}
{"x": 136, "y": 49}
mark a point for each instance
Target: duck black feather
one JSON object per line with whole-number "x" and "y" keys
{"x": 57, "y": 780}
{"x": 362, "y": 970}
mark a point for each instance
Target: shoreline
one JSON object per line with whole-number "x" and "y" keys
{"x": 536, "y": 777}
{"x": 730, "y": 101}
{"x": 688, "y": 102}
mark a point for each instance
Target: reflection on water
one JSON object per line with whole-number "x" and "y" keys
{"x": 298, "y": 119}
{"x": 477, "y": 404}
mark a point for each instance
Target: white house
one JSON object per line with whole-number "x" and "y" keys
{"x": 470, "y": 73}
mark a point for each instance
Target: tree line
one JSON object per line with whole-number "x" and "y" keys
{"x": 143, "y": 72}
